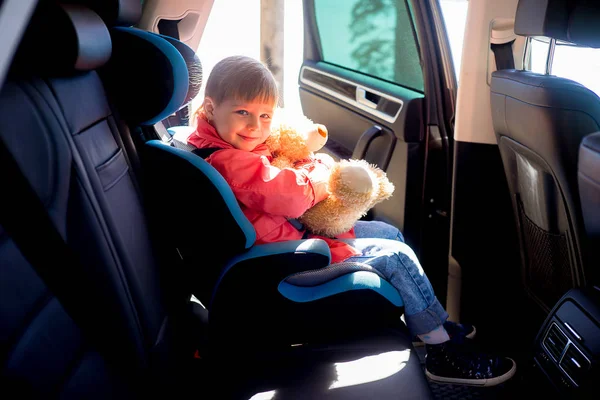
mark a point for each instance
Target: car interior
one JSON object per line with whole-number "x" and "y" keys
{"x": 110, "y": 289}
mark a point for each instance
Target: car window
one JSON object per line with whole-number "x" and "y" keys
{"x": 578, "y": 63}
{"x": 374, "y": 37}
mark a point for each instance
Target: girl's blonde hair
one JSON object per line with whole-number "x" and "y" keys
{"x": 241, "y": 78}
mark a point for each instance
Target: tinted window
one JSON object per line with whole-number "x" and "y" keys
{"x": 374, "y": 37}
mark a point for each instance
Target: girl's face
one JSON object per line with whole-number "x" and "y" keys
{"x": 242, "y": 124}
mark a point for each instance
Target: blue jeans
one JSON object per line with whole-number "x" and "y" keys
{"x": 383, "y": 248}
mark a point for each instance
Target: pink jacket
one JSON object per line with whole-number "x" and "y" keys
{"x": 268, "y": 195}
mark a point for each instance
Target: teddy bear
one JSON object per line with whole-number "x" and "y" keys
{"x": 354, "y": 186}
{"x": 294, "y": 138}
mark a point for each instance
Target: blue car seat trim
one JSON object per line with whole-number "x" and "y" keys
{"x": 315, "y": 246}
{"x": 359, "y": 280}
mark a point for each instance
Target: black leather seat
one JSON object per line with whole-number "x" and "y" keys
{"x": 58, "y": 124}
{"x": 540, "y": 121}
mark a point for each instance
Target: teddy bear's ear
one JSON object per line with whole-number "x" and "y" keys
{"x": 316, "y": 137}
{"x": 322, "y": 129}
{"x": 386, "y": 187}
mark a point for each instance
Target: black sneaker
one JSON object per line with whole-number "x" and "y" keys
{"x": 457, "y": 362}
{"x": 454, "y": 329}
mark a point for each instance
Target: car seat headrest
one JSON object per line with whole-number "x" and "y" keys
{"x": 194, "y": 67}
{"x": 583, "y": 25}
{"x": 574, "y": 21}
{"x": 147, "y": 77}
{"x": 114, "y": 12}
{"x": 547, "y": 18}
{"x": 61, "y": 39}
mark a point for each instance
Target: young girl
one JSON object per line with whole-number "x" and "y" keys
{"x": 235, "y": 116}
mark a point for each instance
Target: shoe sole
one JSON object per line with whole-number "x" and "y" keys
{"x": 471, "y": 335}
{"x": 475, "y": 382}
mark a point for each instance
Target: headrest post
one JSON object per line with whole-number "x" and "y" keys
{"x": 526, "y": 61}
{"x": 550, "y": 57}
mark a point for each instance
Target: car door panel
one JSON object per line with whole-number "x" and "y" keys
{"x": 373, "y": 120}
{"x": 341, "y": 87}
{"x": 371, "y": 101}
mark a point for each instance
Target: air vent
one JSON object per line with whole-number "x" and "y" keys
{"x": 574, "y": 363}
{"x": 555, "y": 342}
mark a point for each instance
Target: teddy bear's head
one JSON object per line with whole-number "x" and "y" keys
{"x": 294, "y": 137}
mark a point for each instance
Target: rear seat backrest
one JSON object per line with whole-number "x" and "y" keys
{"x": 58, "y": 125}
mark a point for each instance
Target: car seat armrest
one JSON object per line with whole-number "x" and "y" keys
{"x": 315, "y": 247}
{"x": 263, "y": 266}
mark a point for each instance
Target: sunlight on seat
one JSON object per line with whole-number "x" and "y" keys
{"x": 370, "y": 369}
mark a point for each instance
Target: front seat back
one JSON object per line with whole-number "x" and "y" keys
{"x": 589, "y": 190}
{"x": 539, "y": 121}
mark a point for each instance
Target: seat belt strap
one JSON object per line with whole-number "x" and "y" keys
{"x": 504, "y": 55}
{"x": 162, "y": 132}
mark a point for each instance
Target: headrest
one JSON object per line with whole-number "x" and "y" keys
{"x": 147, "y": 77}
{"x": 61, "y": 39}
{"x": 542, "y": 18}
{"x": 574, "y": 21}
{"x": 584, "y": 27}
{"x": 114, "y": 12}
